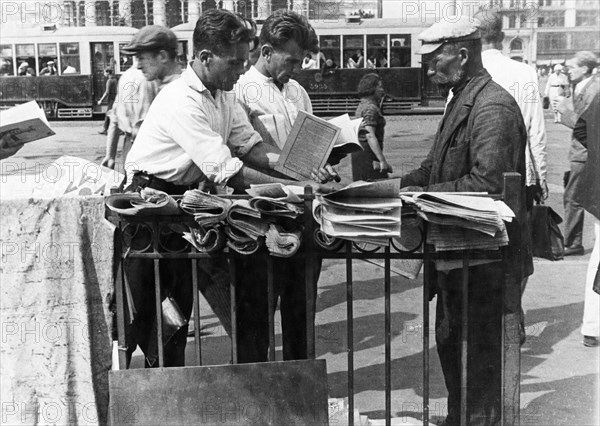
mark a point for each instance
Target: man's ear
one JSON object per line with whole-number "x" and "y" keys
{"x": 205, "y": 56}
{"x": 266, "y": 50}
{"x": 464, "y": 55}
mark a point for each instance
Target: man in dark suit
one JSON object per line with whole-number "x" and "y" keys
{"x": 481, "y": 136}
{"x": 579, "y": 69}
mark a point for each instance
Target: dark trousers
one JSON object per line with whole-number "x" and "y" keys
{"x": 253, "y": 309}
{"x": 484, "y": 349}
{"x": 176, "y": 282}
{"x": 574, "y": 213}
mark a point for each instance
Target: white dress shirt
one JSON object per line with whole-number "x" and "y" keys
{"x": 189, "y": 135}
{"x": 521, "y": 81}
{"x": 270, "y": 109}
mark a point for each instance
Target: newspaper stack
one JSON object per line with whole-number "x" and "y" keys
{"x": 362, "y": 211}
{"x": 462, "y": 222}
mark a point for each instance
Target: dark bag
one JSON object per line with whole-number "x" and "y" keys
{"x": 546, "y": 102}
{"x": 547, "y": 240}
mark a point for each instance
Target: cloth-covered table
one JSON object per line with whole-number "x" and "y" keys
{"x": 55, "y": 292}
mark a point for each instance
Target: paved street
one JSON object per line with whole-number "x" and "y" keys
{"x": 559, "y": 375}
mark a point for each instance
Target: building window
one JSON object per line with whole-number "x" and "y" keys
{"x": 584, "y": 3}
{"x": 587, "y": 18}
{"x": 69, "y": 14}
{"x": 26, "y": 53}
{"x": 47, "y": 56}
{"x": 400, "y": 50}
{"x": 7, "y": 65}
{"x": 552, "y": 19}
{"x": 69, "y": 58}
{"x": 173, "y": 13}
{"x": 330, "y": 46}
{"x": 550, "y": 42}
{"x": 512, "y": 20}
{"x": 102, "y": 13}
{"x": 139, "y": 17}
{"x": 516, "y": 44}
{"x": 585, "y": 41}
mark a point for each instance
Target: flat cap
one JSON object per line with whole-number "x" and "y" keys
{"x": 447, "y": 30}
{"x": 151, "y": 37}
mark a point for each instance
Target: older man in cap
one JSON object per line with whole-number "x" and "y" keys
{"x": 481, "y": 136}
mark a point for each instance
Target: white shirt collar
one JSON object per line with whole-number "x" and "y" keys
{"x": 579, "y": 87}
{"x": 192, "y": 80}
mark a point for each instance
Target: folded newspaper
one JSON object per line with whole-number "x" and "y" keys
{"x": 147, "y": 202}
{"x": 462, "y": 222}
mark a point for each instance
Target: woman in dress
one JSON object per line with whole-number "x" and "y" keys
{"x": 370, "y": 163}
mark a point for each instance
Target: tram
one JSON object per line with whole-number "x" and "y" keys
{"x": 388, "y": 47}
{"x": 80, "y": 56}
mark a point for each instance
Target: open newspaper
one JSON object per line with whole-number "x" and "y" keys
{"x": 311, "y": 141}
{"x": 24, "y": 123}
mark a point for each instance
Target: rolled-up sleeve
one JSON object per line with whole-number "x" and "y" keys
{"x": 243, "y": 137}
{"x": 206, "y": 148}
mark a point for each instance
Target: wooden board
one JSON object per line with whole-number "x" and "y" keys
{"x": 274, "y": 393}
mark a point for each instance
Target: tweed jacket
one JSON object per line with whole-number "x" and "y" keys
{"x": 588, "y": 193}
{"x": 481, "y": 137}
{"x": 581, "y": 102}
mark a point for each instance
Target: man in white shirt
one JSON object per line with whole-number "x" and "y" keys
{"x": 194, "y": 135}
{"x": 520, "y": 80}
{"x": 272, "y": 99}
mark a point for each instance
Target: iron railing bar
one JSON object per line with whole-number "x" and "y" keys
{"x": 388, "y": 340}
{"x": 157, "y": 297}
{"x": 271, "y": 301}
{"x": 196, "y": 304}
{"x": 464, "y": 337}
{"x": 350, "y": 332}
{"x": 233, "y": 308}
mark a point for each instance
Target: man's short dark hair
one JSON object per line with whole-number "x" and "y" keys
{"x": 284, "y": 25}
{"x": 218, "y": 29}
{"x": 108, "y": 71}
{"x": 473, "y": 46}
{"x": 368, "y": 84}
{"x": 587, "y": 59}
{"x": 491, "y": 26}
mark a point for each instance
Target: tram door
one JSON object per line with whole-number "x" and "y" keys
{"x": 102, "y": 56}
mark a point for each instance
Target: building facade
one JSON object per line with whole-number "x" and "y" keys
{"x": 137, "y": 13}
{"x": 547, "y": 32}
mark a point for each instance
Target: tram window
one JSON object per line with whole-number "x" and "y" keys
{"x": 7, "y": 65}
{"x": 377, "y": 50}
{"x": 182, "y": 59}
{"x": 400, "y": 50}
{"x": 330, "y": 47}
{"x": 354, "y": 51}
{"x": 48, "y": 59}
{"x": 69, "y": 58}
{"x": 126, "y": 61}
{"x": 25, "y": 59}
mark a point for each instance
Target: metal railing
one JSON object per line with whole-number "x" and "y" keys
{"x": 349, "y": 252}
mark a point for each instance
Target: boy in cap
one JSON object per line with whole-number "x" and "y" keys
{"x": 481, "y": 136}
{"x": 155, "y": 49}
